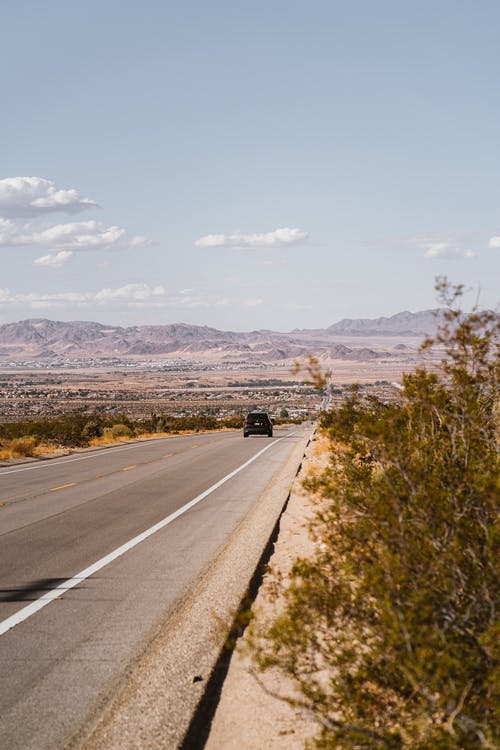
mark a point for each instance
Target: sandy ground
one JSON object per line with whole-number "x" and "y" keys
{"x": 248, "y": 717}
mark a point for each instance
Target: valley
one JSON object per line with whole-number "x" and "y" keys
{"x": 49, "y": 368}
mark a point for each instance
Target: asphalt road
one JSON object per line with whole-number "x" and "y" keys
{"x": 60, "y": 517}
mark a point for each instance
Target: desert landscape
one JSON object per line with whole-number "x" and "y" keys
{"x": 49, "y": 368}
{"x": 249, "y": 376}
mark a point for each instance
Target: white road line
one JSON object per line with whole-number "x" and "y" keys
{"x": 30, "y": 609}
{"x": 96, "y": 454}
{"x": 55, "y": 462}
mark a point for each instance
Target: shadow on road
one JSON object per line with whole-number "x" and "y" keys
{"x": 30, "y": 591}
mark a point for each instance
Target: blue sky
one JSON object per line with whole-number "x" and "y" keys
{"x": 245, "y": 165}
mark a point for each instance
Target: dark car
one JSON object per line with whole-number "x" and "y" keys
{"x": 257, "y": 423}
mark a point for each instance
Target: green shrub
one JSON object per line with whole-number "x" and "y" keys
{"x": 391, "y": 629}
{"x": 92, "y": 429}
{"x": 73, "y": 430}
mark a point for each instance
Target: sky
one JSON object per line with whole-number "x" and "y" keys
{"x": 268, "y": 164}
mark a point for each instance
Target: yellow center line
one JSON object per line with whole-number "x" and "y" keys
{"x": 168, "y": 455}
{"x": 62, "y": 486}
{"x": 127, "y": 468}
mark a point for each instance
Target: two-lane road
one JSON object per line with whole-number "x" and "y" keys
{"x": 96, "y": 549}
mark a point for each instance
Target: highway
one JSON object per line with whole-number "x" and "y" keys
{"x": 96, "y": 550}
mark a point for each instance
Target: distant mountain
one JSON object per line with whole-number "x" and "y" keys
{"x": 45, "y": 338}
{"x": 402, "y": 324}
{"x": 48, "y": 339}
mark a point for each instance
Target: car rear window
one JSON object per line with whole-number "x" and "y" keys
{"x": 257, "y": 417}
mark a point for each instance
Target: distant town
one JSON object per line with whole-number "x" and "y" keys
{"x": 139, "y": 389}
{"x": 49, "y": 368}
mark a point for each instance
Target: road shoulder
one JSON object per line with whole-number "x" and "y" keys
{"x": 156, "y": 702}
{"x": 248, "y": 715}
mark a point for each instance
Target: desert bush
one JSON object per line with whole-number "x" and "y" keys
{"x": 91, "y": 429}
{"x": 232, "y": 423}
{"x": 23, "y": 446}
{"x": 64, "y": 430}
{"x": 390, "y": 631}
{"x": 152, "y": 424}
{"x": 73, "y": 430}
{"x": 121, "y": 430}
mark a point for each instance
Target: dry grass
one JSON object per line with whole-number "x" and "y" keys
{"x": 109, "y": 439}
{"x": 25, "y": 447}
{"x": 318, "y": 454}
{"x": 28, "y": 447}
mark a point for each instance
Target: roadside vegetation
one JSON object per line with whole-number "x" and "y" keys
{"x": 36, "y": 437}
{"x": 33, "y": 437}
{"x": 390, "y": 631}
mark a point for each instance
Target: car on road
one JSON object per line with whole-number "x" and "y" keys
{"x": 258, "y": 423}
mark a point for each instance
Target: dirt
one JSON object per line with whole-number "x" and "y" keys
{"x": 249, "y": 716}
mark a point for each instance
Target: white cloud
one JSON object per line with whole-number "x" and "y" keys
{"x": 74, "y": 236}
{"x": 124, "y": 295}
{"x": 129, "y": 293}
{"x": 83, "y": 235}
{"x": 28, "y": 197}
{"x": 130, "y": 296}
{"x": 494, "y": 242}
{"x": 140, "y": 241}
{"x": 9, "y": 232}
{"x": 33, "y": 197}
{"x": 277, "y": 238}
{"x": 54, "y": 261}
{"x": 35, "y": 301}
{"x": 445, "y": 250}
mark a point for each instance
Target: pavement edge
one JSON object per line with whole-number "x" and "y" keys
{"x": 168, "y": 697}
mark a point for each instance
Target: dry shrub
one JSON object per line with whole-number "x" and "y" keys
{"x": 121, "y": 431}
{"x": 117, "y": 433}
{"x": 21, "y": 447}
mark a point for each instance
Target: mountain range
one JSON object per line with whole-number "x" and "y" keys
{"x": 43, "y": 339}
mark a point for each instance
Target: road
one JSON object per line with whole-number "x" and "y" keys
{"x": 96, "y": 549}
